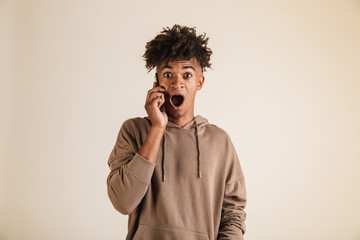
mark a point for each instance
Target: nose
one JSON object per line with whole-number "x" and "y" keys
{"x": 177, "y": 82}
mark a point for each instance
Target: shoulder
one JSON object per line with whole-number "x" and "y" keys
{"x": 219, "y": 137}
{"x": 136, "y": 124}
{"x": 216, "y": 131}
{"x": 137, "y": 121}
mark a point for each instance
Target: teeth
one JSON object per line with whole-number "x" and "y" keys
{"x": 177, "y": 100}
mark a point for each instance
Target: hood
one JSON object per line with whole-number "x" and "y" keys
{"x": 198, "y": 123}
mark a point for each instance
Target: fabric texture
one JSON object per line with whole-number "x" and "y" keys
{"x": 195, "y": 190}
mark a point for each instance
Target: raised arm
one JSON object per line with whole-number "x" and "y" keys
{"x": 132, "y": 166}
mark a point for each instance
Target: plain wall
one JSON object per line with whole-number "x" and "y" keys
{"x": 285, "y": 85}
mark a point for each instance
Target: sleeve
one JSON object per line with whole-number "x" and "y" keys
{"x": 130, "y": 174}
{"x": 232, "y": 224}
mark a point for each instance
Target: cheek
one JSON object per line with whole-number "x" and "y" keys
{"x": 191, "y": 92}
{"x": 192, "y": 85}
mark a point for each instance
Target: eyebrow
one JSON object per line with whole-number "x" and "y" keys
{"x": 184, "y": 67}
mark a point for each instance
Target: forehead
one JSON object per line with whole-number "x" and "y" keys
{"x": 181, "y": 63}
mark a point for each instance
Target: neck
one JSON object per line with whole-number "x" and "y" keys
{"x": 182, "y": 121}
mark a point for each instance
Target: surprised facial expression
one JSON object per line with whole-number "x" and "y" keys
{"x": 181, "y": 79}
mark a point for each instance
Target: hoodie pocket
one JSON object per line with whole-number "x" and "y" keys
{"x": 149, "y": 232}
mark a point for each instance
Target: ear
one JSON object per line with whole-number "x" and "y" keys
{"x": 200, "y": 83}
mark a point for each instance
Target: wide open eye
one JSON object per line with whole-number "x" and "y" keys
{"x": 187, "y": 75}
{"x": 167, "y": 75}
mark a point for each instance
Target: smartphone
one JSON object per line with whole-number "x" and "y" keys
{"x": 157, "y": 84}
{"x": 157, "y": 79}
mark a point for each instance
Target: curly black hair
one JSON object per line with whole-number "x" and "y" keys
{"x": 178, "y": 42}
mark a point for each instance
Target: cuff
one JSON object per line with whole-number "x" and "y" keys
{"x": 141, "y": 167}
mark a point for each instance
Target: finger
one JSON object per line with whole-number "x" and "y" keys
{"x": 154, "y": 94}
{"x": 157, "y": 102}
{"x": 151, "y": 98}
{"x": 155, "y": 90}
{"x": 160, "y": 100}
{"x": 159, "y": 97}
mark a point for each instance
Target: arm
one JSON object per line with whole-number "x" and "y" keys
{"x": 232, "y": 224}
{"x": 130, "y": 173}
{"x": 131, "y": 168}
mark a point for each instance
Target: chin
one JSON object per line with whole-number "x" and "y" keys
{"x": 175, "y": 115}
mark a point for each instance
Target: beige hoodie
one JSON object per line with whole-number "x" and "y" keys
{"x": 196, "y": 189}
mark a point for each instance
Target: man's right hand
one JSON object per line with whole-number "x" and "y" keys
{"x": 154, "y": 100}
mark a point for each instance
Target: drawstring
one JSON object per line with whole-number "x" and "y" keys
{"x": 163, "y": 158}
{"x": 198, "y": 149}
{"x": 198, "y": 153}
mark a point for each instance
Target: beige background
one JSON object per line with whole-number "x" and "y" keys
{"x": 285, "y": 85}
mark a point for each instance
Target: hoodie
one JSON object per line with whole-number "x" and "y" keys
{"x": 195, "y": 190}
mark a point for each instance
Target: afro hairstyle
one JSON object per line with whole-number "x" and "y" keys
{"x": 178, "y": 42}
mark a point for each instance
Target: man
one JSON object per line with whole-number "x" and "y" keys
{"x": 174, "y": 174}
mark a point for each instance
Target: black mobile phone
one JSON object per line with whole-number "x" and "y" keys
{"x": 157, "y": 79}
{"x": 157, "y": 84}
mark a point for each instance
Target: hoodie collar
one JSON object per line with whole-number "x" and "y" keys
{"x": 198, "y": 123}
{"x": 198, "y": 120}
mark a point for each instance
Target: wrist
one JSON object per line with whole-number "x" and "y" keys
{"x": 157, "y": 129}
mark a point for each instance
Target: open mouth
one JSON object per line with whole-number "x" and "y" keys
{"x": 177, "y": 100}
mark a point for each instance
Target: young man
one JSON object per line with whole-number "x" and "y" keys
{"x": 174, "y": 174}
